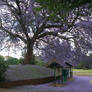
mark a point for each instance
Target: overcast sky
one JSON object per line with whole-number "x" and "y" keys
{"x": 12, "y": 53}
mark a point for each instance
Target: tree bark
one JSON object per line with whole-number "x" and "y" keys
{"x": 29, "y": 54}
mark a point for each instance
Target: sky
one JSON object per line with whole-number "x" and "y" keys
{"x": 16, "y": 54}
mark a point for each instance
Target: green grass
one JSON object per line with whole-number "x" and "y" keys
{"x": 82, "y": 72}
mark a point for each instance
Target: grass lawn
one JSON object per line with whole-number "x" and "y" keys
{"x": 82, "y": 72}
{"x": 23, "y": 72}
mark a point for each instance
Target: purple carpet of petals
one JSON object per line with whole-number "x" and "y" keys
{"x": 79, "y": 84}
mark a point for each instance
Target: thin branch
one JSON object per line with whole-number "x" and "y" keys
{"x": 53, "y": 26}
{"x": 54, "y": 34}
{"x": 13, "y": 34}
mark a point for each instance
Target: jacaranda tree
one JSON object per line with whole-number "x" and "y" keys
{"x": 26, "y": 22}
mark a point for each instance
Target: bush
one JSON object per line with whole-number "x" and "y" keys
{"x": 40, "y": 62}
{"x": 37, "y": 61}
{"x": 3, "y": 67}
{"x": 21, "y": 60}
{"x": 85, "y": 65}
{"x": 12, "y": 61}
{"x": 33, "y": 61}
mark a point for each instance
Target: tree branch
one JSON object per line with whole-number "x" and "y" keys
{"x": 54, "y": 34}
{"x": 13, "y": 34}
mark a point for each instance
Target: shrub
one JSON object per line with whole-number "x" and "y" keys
{"x": 12, "y": 61}
{"x": 3, "y": 67}
{"x": 85, "y": 65}
{"x": 21, "y": 60}
{"x": 39, "y": 62}
{"x": 35, "y": 61}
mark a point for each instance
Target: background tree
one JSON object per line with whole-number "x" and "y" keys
{"x": 85, "y": 63}
{"x": 12, "y": 61}
{"x": 3, "y": 67}
{"x": 61, "y": 51}
{"x": 90, "y": 54}
{"x": 67, "y": 51}
{"x": 26, "y": 22}
{"x": 1, "y": 58}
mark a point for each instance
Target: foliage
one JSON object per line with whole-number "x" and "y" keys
{"x": 63, "y": 6}
{"x": 39, "y": 61}
{"x": 35, "y": 61}
{"x": 90, "y": 54}
{"x": 53, "y": 50}
{"x": 85, "y": 62}
{"x": 21, "y": 60}
{"x": 1, "y": 58}
{"x": 25, "y": 23}
{"x": 60, "y": 51}
{"x": 85, "y": 65}
{"x": 12, "y": 61}
{"x": 3, "y": 67}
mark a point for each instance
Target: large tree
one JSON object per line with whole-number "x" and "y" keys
{"x": 72, "y": 50}
{"x": 56, "y": 49}
{"x": 26, "y": 22}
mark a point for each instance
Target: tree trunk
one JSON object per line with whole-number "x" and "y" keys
{"x": 29, "y": 53}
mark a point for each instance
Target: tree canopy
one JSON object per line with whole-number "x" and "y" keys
{"x": 25, "y": 23}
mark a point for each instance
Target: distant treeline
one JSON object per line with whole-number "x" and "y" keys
{"x": 13, "y": 61}
{"x": 84, "y": 65}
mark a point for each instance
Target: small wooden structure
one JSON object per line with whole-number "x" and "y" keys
{"x": 62, "y": 69}
{"x": 57, "y": 69}
{"x": 69, "y": 66}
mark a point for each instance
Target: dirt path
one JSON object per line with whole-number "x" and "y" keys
{"x": 80, "y": 84}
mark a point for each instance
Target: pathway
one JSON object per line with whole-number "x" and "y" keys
{"x": 80, "y": 84}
